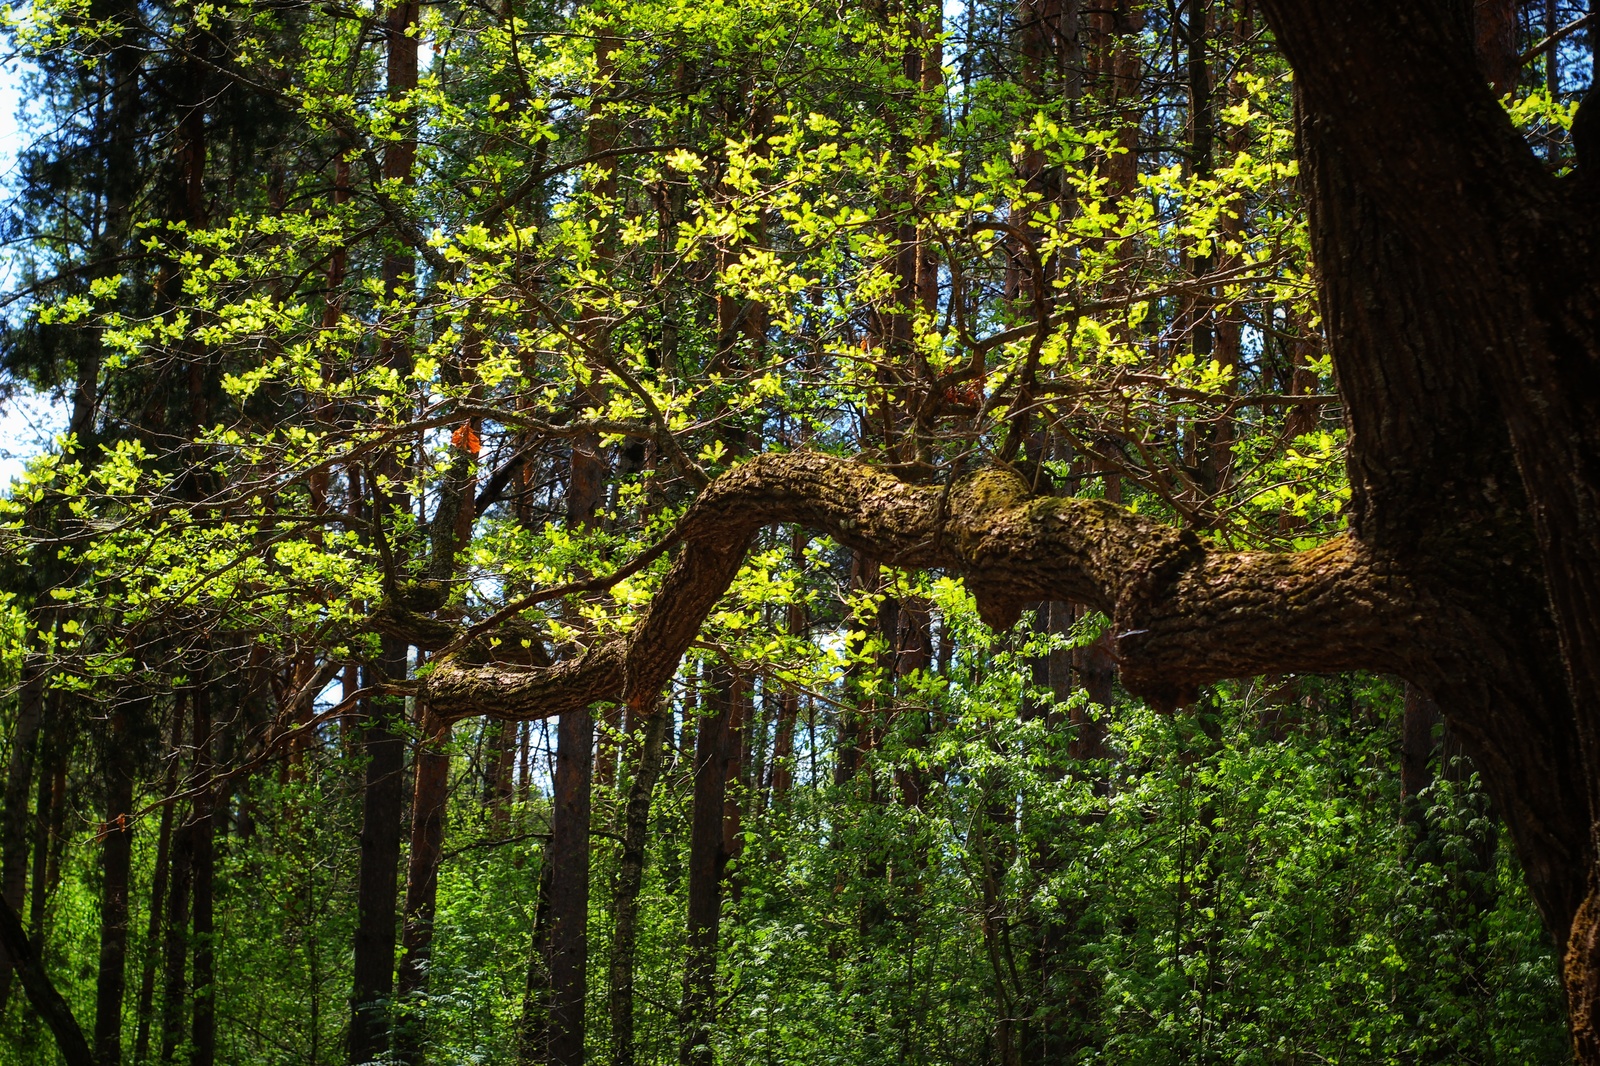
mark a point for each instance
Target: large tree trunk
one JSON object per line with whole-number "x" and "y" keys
{"x": 1461, "y": 286}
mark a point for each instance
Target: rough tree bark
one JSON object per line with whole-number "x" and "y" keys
{"x": 1182, "y": 615}
{"x": 1461, "y": 284}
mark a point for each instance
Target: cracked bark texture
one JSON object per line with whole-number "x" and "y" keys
{"x": 1461, "y": 286}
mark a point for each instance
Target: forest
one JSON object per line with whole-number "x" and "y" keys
{"x": 766, "y": 532}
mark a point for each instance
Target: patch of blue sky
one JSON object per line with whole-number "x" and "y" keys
{"x": 29, "y": 420}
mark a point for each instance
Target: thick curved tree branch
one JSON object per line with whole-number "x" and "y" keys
{"x": 1184, "y": 615}
{"x": 42, "y": 993}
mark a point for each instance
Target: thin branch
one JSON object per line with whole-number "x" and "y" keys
{"x": 1557, "y": 37}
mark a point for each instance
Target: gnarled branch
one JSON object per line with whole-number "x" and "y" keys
{"x": 1184, "y": 615}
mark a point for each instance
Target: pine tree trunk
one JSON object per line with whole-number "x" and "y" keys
{"x": 707, "y": 865}
{"x": 382, "y": 814}
{"x": 501, "y": 770}
{"x": 1096, "y": 667}
{"x": 854, "y": 731}
{"x": 781, "y": 772}
{"x": 1495, "y": 23}
{"x": 47, "y": 828}
{"x": 568, "y": 942}
{"x": 736, "y": 790}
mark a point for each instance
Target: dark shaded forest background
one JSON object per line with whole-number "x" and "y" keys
{"x": 368, "y": 321}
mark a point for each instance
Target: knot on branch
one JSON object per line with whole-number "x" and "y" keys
{"x": 456, "y": 687}
{"x": 987, "y": 510}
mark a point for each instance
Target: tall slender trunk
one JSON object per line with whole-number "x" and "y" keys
{"x": 500, "y": 770}
{"x": 428, "y": 806}
{"x": 158, "y": 901}
{"x": 46, "y": 827}
{"x": 707, "y": 864}
{"x": 14, "y": 816}
{"x": 781, "y": 773}
{"x": 533, "y": 1025}
{"x": 1096, "y": 666}
{"x": 854, "y": 728}
{"x": 652, "y": 731}
{"x": 1065, "y": 1003}
{"x": 383, "y": 800}
{"x": 382, "y": 812}
{"x": 122, "y": 175}
{"x": 568, "y": 942}
{"x": 1303, "y": 343}
{"x": 1419, "y": 724}
{"x": 175, "y": 949}
{"x": 1552, "y": 56}
{"x": 588, "y": 466}
{"x": 780, "y": 770}
{"x": 116, "y": 865}
{"x": 1495, "y": 23}
{"x": 203, "y": 1024}
{"x": 736, "y": 790}
{"x": 606, "y": 749}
